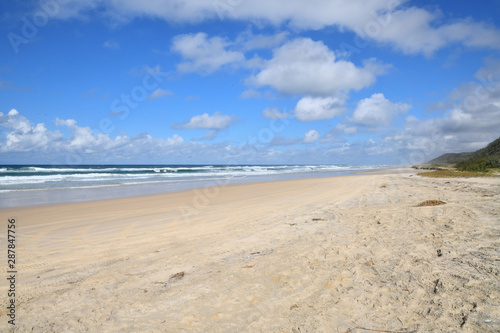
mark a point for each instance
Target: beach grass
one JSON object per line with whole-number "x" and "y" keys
{"x": 458, "y": 174}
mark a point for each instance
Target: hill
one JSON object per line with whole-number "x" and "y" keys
{"x": 482, "y": 159}
{"x": 450, "y": 158}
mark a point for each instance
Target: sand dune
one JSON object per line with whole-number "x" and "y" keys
{"x": 343, "y": 254}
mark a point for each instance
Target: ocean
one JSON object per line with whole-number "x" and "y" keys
{"x": 26, "y": 185}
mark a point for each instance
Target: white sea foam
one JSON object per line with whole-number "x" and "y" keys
{"x": 40, "y": 177}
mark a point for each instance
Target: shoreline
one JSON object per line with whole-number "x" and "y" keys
{"x": 188, "y": 195}
{"x": 43, "y": 197}
{"x": 322, "y": 255}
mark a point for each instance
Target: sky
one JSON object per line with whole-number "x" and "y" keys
{"x": 247, "y": 82}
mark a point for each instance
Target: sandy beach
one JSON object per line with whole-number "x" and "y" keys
{"x": 342, "y": 254}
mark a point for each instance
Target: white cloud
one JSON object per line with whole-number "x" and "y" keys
{"x": 65, "y": 122}
{"x": 388, "y": 22}
{"x": 159, "y": 93}
{"x": 35, "y": 143}
{"x": 175, "y": 140}
{"x": 204, "y": 55}
{"x": 426, "y": 37}
{"x": 304, "y": 66}
{"x": 350, "y": 130}
{"x": 311, "y": 136}
{"x": 377, "y": 111}
{"x": 217, "y": 121}
{"x": 300, "y": 14}
{"x": 15, "y": 122}
{"x": 470, "y": 123}
{"x": 274, "y": 113}
{"x": 467, "y": 126}
{"x": 24, "y": 137}
{"x": 318, "y": 108}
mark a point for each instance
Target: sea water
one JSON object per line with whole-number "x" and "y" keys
{"x": 26, "y": 185}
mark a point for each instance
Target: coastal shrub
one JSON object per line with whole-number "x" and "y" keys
{"x": 483, "y": 159}
{"x": 454, "y": 174}
{"x": 482, "y": 164}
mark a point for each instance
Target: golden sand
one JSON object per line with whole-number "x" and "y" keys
{"x": 343, "y": 254}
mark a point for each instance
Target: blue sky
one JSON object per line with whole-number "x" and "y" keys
{"x": 240, "y": 82}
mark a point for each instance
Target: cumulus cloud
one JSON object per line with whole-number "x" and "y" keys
{"x": 394, "y": 27}
{"x": 471, "y": 123}
{"x": 274, "y": 113}
{"x": 24, "y": 137}
{"x": 377, "y": 111}
{"x": 217, "y": 121}
{"x": 28, "y": 142}
{"x": 387, "y": 22}
{"x": 318, "y": 108}
{"x": 14, "y": 121}
{"x": 311, "y": 136}
{"x": 470, "y": 120}
{"x": 174, "y": 140}
{"x": 159, "y": 93}
{"x": 202, "y": 54}
{"x": 65, "y": 122}
{"x": 308, "y": 67}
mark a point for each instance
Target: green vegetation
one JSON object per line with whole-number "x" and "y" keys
{"x": 447, "y": 159}
{"x": 482, "y": 160}
{"x": 457, "y": 174}
{"x": 483, "y": 164}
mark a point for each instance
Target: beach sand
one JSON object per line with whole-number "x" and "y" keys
{"x": 343, "y": 254}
